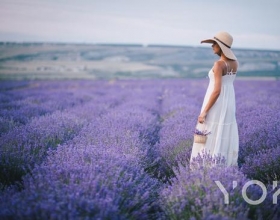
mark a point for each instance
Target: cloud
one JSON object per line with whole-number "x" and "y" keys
{"x": 164, "y": 22}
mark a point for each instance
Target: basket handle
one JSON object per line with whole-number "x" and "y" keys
{"x": 201, "y": 126}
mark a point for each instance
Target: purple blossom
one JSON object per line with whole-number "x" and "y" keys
{"x": 120, "y": 150}
{"x": 202, "y": 133}
{"x": 263, "y": 165}
{"x": 194, "y": 194}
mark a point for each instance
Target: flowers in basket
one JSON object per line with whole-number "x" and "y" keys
{"x": 200, "y": 136}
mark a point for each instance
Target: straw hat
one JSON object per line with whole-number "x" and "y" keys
{"x": 224, "y": 40}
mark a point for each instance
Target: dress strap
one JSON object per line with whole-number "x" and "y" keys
{"x": 226, "y": 66}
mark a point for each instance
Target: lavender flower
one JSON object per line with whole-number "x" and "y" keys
{"x": 202, "y": 133}
{"x": 263, "y": 166}
{"x": 96, "y": 149}
{"x": 194, "y": 193}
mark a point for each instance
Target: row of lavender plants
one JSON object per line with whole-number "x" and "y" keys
{"x": 120, "y": 150}
{"x": 195, "y": 193}
{"x": 25, "y": 145}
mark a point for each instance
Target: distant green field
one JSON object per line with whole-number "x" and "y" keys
{"x": 89, "y": 61}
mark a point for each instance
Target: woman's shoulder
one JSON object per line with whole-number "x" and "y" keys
{"x": 226, "y": 65}
{"x": 218, "y": 65}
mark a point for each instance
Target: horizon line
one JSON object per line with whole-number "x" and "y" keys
{"x": 127, "y": 44}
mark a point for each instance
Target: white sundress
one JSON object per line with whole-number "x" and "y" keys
{"x": 221, "y": 122}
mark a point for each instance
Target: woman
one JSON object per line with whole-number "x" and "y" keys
{"x": 218, "y": 110}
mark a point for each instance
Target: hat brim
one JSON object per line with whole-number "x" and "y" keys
{"x": 209, "y": 41}
{"x": 226, "y": 51}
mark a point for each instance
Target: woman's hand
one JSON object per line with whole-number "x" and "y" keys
{"x": 201, "y": 117}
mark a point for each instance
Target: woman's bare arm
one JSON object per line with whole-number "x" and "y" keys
{"x": 218, "y": 73}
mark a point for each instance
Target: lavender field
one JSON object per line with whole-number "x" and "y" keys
{"x": 120, "y": 149}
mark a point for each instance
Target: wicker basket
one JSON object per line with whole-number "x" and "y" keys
{"x": 200, "y": 139}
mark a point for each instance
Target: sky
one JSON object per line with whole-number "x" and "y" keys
{"x": 254, "y": 24}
